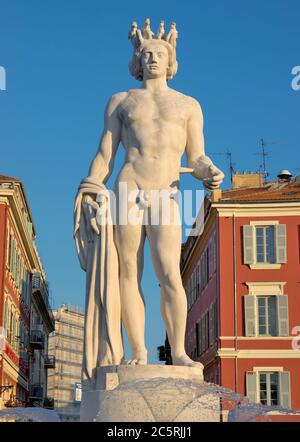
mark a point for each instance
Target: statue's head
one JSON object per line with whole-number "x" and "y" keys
{"x": 153, "y": 56}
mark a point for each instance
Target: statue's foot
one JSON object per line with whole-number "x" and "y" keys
{"x": 186, "y": 361}
{"x": 138, "y": 358}
{"x": 137, "y": 361}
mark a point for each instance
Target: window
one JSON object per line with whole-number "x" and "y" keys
{"x": 267, "y": 323}
{"x": 198, "y": 350}
{"x": 269, "y": 388}
{"x": 265, "y": 244}
{"x": 211, "y": 259}
{"x": 266, "y": 315}
{"x": 213, "y": 323}
{"x": 202, "y": 334}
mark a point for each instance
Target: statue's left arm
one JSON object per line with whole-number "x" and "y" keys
{"x": 204, "y": 169}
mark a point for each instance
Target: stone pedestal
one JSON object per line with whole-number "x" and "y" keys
{"x": 149, "y": 393}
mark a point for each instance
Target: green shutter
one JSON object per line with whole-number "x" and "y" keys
{"x": 19, "y": 271}
{"x": 248, "y": 234}
{"x": 285, "y": 389}
{"x": 251, "y": 386}
{"x": 13, "y": 331}
{"x": 10, "y": 253}
{"x": 281, "y": 243}
{"x": 27, "y": 289}
{"x": 282, "y": 315}
{"x": 249, "y": 303}
{"x": 14, "y": 260}
{"x": 6, "y": 315}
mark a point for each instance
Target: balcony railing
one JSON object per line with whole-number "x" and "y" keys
{"x": 36, "y": 392}
{"x": 40, "y": 290}
{"x": 49, "y": 361}
{"x": 37, "y": 339}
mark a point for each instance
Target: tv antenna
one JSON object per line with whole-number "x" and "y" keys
{"x": 264, "y": 155}
{"x": 228, "y": 155}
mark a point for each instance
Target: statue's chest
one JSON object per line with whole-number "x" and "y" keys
{"x": 147, "y": 110}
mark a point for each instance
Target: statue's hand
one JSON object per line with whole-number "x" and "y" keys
{"x": 205, "y": 170}
{"x": 90, "y": 207}
{"x": 214, "y": 179}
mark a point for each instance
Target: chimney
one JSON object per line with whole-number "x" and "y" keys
{"x": 240, "y": 180}
{"x": 284, "y": 176}
{"x": 216, "y": 195}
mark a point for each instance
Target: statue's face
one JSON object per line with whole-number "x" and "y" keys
{"x": 155, "y": 60}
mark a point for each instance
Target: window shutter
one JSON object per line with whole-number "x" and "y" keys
{"x": 250, "y": 315}
{"x": 6, "y": 315}
{"x": 285, "y": 389}
{"x": 200, "y": 337}
{"x": 201, "y": 274}
{"x": 282, "y": 315}
{"x": 211, "y": 325}
{"x": 251, "y": 386}
{"x": 13, "y": 259}
{"x": 15, "y": 262}
{"x": 248, "y": 234}
{"x": 26, "y": 288}
{"x": 206, "y": 328}
{"x": 216, "y": 322}
{"x": 203, "y": 334}
{"x": 10, "y": 253}
{"x": 210, "y": 266}
{"x": 281, "y": 243}
{"x": 197, "y": 340}
{"x": 214, "y": 253}
{"x": 206, "y": 266}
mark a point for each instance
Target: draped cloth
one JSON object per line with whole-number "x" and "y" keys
{"x": 103, "y": 344}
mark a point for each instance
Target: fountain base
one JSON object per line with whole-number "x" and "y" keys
{"x": 149, "y": 393}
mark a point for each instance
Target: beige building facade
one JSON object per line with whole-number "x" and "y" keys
{"x": 66, "y": 344}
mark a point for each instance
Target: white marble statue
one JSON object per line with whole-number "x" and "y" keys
{"x": 156, "y": 125}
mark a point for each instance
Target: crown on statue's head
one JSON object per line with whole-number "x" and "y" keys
{"x": 137, "y": 36}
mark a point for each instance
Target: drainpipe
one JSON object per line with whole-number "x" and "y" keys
{"x": 235, "y": 305}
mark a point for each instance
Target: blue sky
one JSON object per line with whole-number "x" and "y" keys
{"x": 64, "y": 59}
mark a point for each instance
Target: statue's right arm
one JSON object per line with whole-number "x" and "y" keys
{"x": 102, "y": 165}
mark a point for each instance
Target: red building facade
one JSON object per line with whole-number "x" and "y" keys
{"x": 242, "y": 277}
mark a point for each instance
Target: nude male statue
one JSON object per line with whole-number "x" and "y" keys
{"x": 156, "y": 125}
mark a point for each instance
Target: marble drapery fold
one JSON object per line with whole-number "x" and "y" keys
{"x": 103, "y": 344}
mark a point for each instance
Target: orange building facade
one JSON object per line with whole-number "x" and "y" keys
{"x": 25, "y": 315}
{"x": 242, "y": 277}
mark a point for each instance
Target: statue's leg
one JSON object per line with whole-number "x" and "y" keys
{"x": 130, "y": 245}
{"x": 165, "y": 243}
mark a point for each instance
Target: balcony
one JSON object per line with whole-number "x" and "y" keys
{"x": 41, "y": 295}
{"x": 36, "y": 392}
{"x": 49, "y": 361}
{"x": 49, "y": 403}
{"x": 37, "y": 340}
